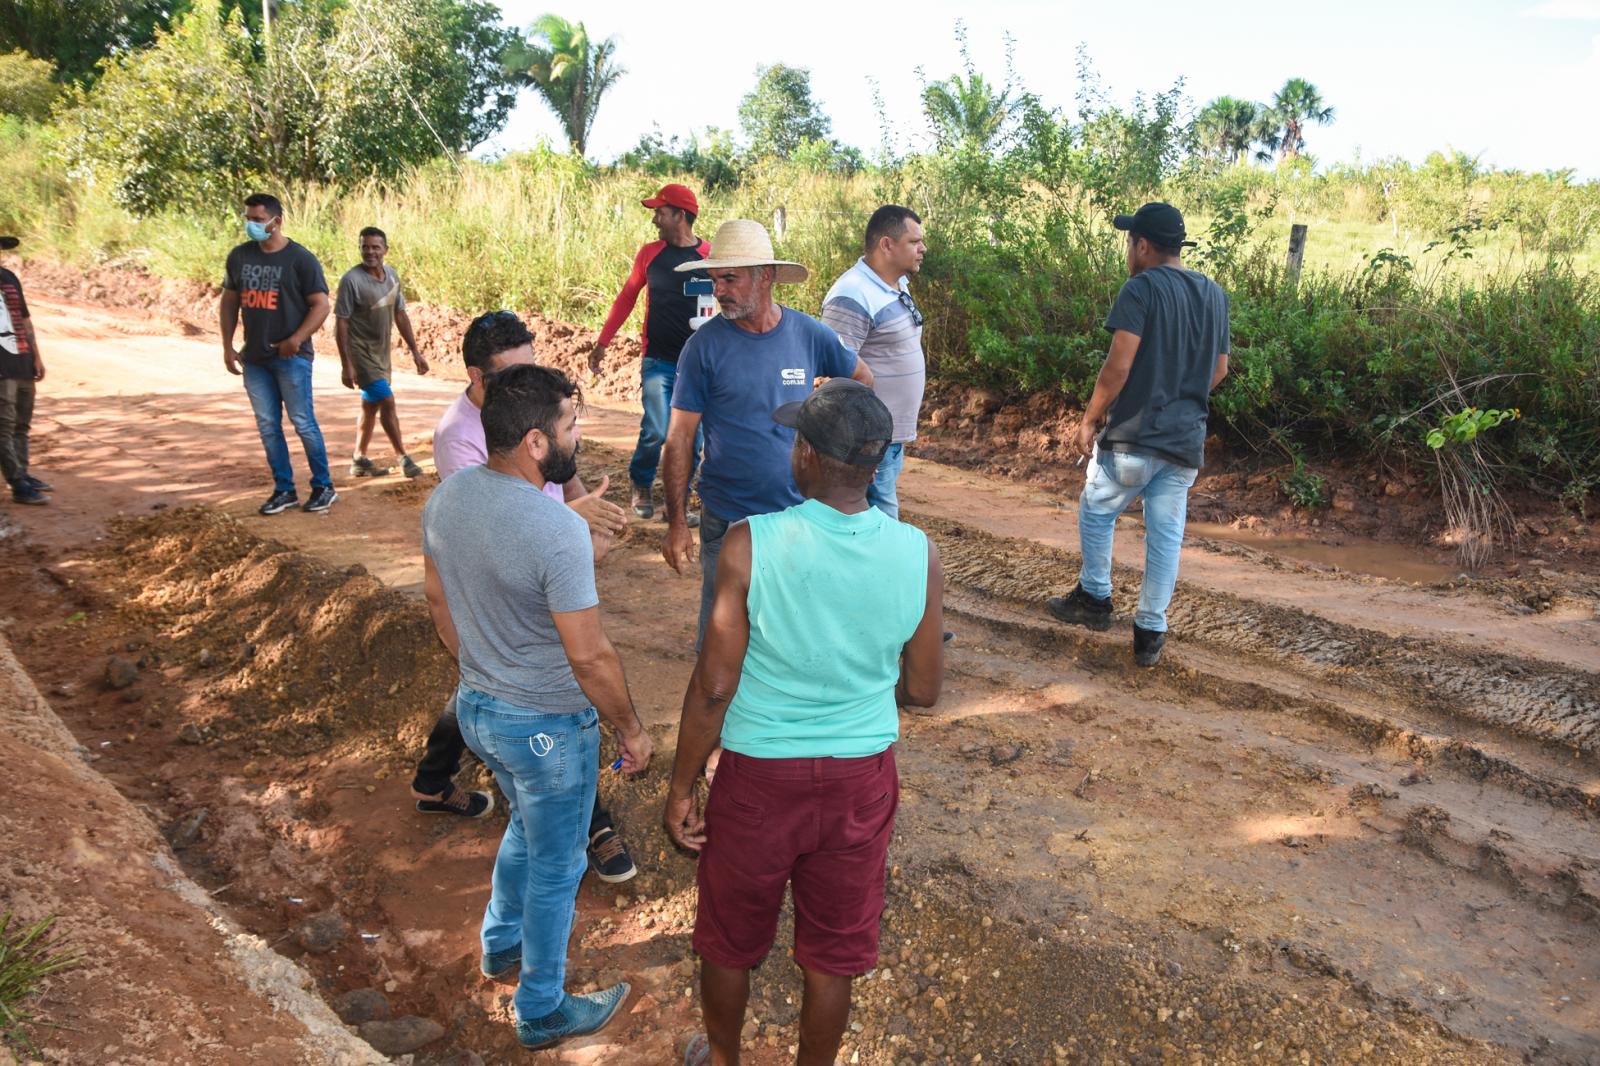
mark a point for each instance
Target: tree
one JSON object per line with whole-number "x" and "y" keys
{"x": 27, "y": 86}
{"x": 966, "y": 112}
{"x": 778, "y": 115}
{"x": 1293, "y": 106}
{"x": 560, "y": 62}
{"x": 1227, "y": 126}
{"x": 76, "y": 35}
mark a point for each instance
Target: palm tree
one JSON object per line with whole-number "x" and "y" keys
{"x": 562, "y": 64}
{"x": 1227, "y": 126}
{"x": 1293, "y": 106}
{"x": 967, "y": 111}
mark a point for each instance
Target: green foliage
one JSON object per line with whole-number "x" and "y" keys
{"x": 967, "y": 113}
{"x": 75, "y": 35}
{"x": 710, "y": 156}
{"x": 779, "y": 115}
{"x": 27, "y": 957}
{"x": 1227, "y": 127}
{"x": 1283, "y": 126}
{"x": 1463, "y": 427}
{"x": 27, "y": 86}
{"x": 1304, "y": 486}
{"x": 359, "y": 89}
{"x": 569, "y": 70}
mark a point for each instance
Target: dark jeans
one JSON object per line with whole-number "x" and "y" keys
{"x": 16, "y": 419}
{"x": 712, "y": 530}
{"x": 442, "y": 759}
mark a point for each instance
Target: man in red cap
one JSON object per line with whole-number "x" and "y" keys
{"x": 671, "y": 315}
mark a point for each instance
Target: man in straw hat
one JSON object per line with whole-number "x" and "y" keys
{"x": 1145, "y": 426}
{"x": 733, "y": 373}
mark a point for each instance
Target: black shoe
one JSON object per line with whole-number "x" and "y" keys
{"x": 458, "y": 801}
{"x": 29, "y": 479}
{"x": 948, "y": 636}
{"x": 609, "y": 857}
{"x": 1080, "y": 609}
{"x": 22, "y": 492}
{"x": 321, "y": 499}
{"x": 1147, "y": 645}
{"x": 279, "y": 501}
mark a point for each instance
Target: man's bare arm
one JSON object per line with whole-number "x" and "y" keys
{"x": 677, "y": 454}
{"x": 1220, "y": 372}
{"x": 228, "y": 312}
{"x": 1108, "y": 386}
{"x": 922, "y": 663}
{"x": 433, "y": 592}
{"x": 598, "y": 669}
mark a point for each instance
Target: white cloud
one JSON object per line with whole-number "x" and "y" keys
{"x": 1583, "y": 10}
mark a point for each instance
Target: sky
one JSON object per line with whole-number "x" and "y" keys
{"x": 1514, "y": 83}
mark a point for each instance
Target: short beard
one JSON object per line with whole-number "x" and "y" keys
{"x": 558, "y": 468}
{"x": 734, "y": 311}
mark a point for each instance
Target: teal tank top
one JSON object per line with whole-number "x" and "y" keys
{"x": 833, "y": 600}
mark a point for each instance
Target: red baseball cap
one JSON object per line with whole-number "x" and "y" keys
{"x": 679, "y": 196}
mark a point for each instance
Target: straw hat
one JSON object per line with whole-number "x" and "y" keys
{"x": 741, "y": 242}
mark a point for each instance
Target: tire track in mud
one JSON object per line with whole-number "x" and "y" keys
{"x": 1539, "y": 700}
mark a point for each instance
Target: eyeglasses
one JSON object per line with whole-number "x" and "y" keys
{"x": 489, "y": 320}
{"x": 911, "y": 305}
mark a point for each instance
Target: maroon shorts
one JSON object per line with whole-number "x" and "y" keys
{"x": 822, "y": 825}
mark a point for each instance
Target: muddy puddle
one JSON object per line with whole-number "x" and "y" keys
{"x": 1349, "y": 554}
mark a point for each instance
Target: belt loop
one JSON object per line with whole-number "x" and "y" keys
{"x": 816, "y": 771}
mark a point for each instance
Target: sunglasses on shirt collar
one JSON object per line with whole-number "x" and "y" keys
{"x": 910, "y": 305}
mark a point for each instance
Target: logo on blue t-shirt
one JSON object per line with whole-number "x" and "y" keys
{"x": 794, "y": 376}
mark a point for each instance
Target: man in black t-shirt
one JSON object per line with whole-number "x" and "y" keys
{"x": 279, "y": 287}
{"x": 1169, "y": 349}
{"x": 21, "y": 369}
{"x": 673, "y": 310}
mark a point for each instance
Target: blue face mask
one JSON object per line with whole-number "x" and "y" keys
{"x": 257, "y": 231}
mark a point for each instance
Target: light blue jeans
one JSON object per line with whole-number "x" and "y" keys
{"x": 1115, "y": 480}
{"x": 547, "y": 768}
{"x": 285, "y": 384}
{"x": 881, "y": 493}
{"x": 656, "y": 379}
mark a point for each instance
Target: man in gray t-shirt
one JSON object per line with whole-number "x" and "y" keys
{"x": 509, "y": 579}
{"x": 1145, "y": 426}
{"x": 871, "y": 310}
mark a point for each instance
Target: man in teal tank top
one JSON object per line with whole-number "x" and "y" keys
{"x": 826, "y": 618}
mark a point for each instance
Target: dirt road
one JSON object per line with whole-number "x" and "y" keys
{"x": 1348, "y": 818}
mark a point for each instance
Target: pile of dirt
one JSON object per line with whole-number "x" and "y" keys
{"x": 296, "y": 656}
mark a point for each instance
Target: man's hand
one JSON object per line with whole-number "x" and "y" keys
{"x": 683, "y": 821}
{"x": 635, "y": 750}
{"x": 286, "y": 348}
{"x": 677, "y": 547}
{"x": 38, "y": 369}
{"x": 603, "y": 516}
{"x": 347, "y": 376}
{"x": 230, "y": 359}
{"x": 596, "y": 356}
{"x": 421, "y": 363}
{"x": 712, "y": 761}
{"x": 1087, "y": 432}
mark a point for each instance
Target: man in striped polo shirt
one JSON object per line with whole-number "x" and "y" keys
{"x": 871, "y": 310}
{"x": 826, "y": 619}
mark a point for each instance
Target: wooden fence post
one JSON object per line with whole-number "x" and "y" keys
{"x": 1297, "y": 250}
{"x": 780, "y": 222}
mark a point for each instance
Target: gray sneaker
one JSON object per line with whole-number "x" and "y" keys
{"x": 361, "y": 466}
{"x": 577, "y": 1016}
{"x": 639, "y": 499}
{"x": 409, "y": 467}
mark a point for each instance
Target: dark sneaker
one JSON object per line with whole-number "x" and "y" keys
{"x": 1080, "y": 609}
{"x": 577, "y": 1016}
{"x": 361, "y": 466}
{"x": 279, "y": 501}
{"x": 409, "y": 467}
{"x": 948, "y": 636}
{"x": 321, "y": 499}
{"x": 500, "y": 963}
{"x": 610, "y": 858}
{"x": 639, "y": 499}
{"x": 22, "y": 492}
{"x": 29, "y": 479}
{"x": 458, "y": 801}
{"x": 1147, "y": 644}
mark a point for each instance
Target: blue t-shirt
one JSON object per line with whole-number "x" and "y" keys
{"x": 734, "y": 380}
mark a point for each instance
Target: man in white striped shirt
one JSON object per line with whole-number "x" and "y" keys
{"x": 871, "y": 309}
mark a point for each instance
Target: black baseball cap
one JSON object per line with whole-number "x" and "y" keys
{"x": 1159, "y": 222}
{"x": 8, "y": 243}
{"x": 844, "y": 420}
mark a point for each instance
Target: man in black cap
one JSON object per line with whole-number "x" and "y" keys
{"x": 827, "y": 617}
{"x": 21, "y": 369}
{"x": 1145, "y": 426}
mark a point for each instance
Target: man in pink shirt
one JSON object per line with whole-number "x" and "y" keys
{"x": 494, "y": 342}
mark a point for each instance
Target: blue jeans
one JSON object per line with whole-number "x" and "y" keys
{"x": 546, "y": 767}
{"x": 712, "y": 530}
{"x": 276, "y": 386}
{"x": 881, "y": 493}
{"x": 656, "y": 379}
{"x": 1115, "y": 480}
